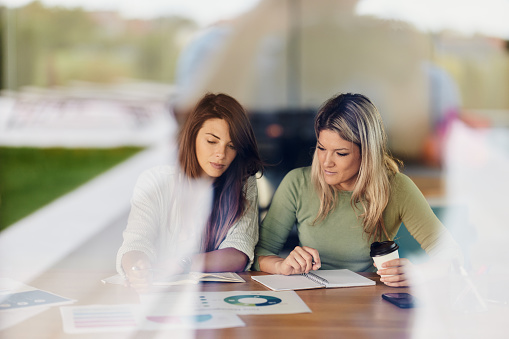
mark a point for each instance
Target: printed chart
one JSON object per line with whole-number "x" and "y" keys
{"x": 132, "y": 317}
{"x": 30, "y": 298}
{"x": 19, "y": 302}
{"x": 98, "y": 318}
{"x": 252, "y": 300}
{"x": 239, "y": 302}
{"x": 16, "y": 295}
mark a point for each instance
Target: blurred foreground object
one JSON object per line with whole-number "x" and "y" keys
{"x": 306, "y": 51}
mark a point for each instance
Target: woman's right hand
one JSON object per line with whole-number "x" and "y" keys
{"x": 300, "y": 260}
{"x": 138, "y": 270}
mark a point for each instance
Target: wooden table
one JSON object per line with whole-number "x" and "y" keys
{"x": 356, "y": 312}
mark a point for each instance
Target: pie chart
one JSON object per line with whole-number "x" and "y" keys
{"x": 252, "y": 300}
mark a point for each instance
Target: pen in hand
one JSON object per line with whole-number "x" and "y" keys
{"x": 137, "y": 268}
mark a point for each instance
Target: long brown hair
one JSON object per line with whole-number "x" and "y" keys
{"x": 357, "y": 120}
{"x": 229, "y": 202}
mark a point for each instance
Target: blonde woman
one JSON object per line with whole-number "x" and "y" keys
{"x": 353, "y": 194}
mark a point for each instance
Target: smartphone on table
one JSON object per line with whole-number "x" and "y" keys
{"x": 402, "y": 300}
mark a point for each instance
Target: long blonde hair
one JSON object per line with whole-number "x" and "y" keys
{"x": 357, "y": 120}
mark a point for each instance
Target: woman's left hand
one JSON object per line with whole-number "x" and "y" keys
{"x": 396, "y": 272}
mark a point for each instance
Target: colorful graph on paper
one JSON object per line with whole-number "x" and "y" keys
{"x": 100, "y": 318}
{"x": 238, "y": 302}
{"x": 132, "y": 317}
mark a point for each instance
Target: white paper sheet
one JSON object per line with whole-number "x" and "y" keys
{"x": 19, "y": 302}
{"x": 239, "y": 302}
{"x": 132, "y": 317}
{"x": 182, "y": 279}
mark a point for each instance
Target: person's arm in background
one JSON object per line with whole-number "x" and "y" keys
{"x": 222, "y": 260}
{"x": 236, "y": 251}
{"x": 138, "y": 270}
{"x": 137, "y": 254}
{"x": 275, "y": 229}
{"x": 429, "y": 232}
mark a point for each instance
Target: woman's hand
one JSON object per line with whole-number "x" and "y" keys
{"x": 300, "y": 260}
{"x": 396, "y": 272}
{"x": 138, "y": 270}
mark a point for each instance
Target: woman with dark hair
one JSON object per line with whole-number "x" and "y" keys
{"x": 352, "y": 194}
{"x": 217, "y": 147}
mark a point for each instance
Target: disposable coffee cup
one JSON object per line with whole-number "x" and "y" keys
{"x": 383, "y": 251}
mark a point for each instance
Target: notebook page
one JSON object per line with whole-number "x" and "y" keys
{"x": 343, "y": 278}
{"x": 277, "y": 282}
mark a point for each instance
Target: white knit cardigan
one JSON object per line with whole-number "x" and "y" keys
{"x": 168, "y": 213}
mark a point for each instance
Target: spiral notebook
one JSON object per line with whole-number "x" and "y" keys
{"x": 315, "y": 279}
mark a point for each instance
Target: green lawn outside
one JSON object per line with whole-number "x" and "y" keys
{"x": 33, "y": 177}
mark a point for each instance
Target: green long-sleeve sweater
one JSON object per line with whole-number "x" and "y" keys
{"x": 339, "y": 238}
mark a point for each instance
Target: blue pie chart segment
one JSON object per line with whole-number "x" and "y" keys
{"x": 252, "y": 300}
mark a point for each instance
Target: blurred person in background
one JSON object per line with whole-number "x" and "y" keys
{"x": 351, "y": 195}
{"x": 175, "y": 226}
{"x": 306, "y": 51}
